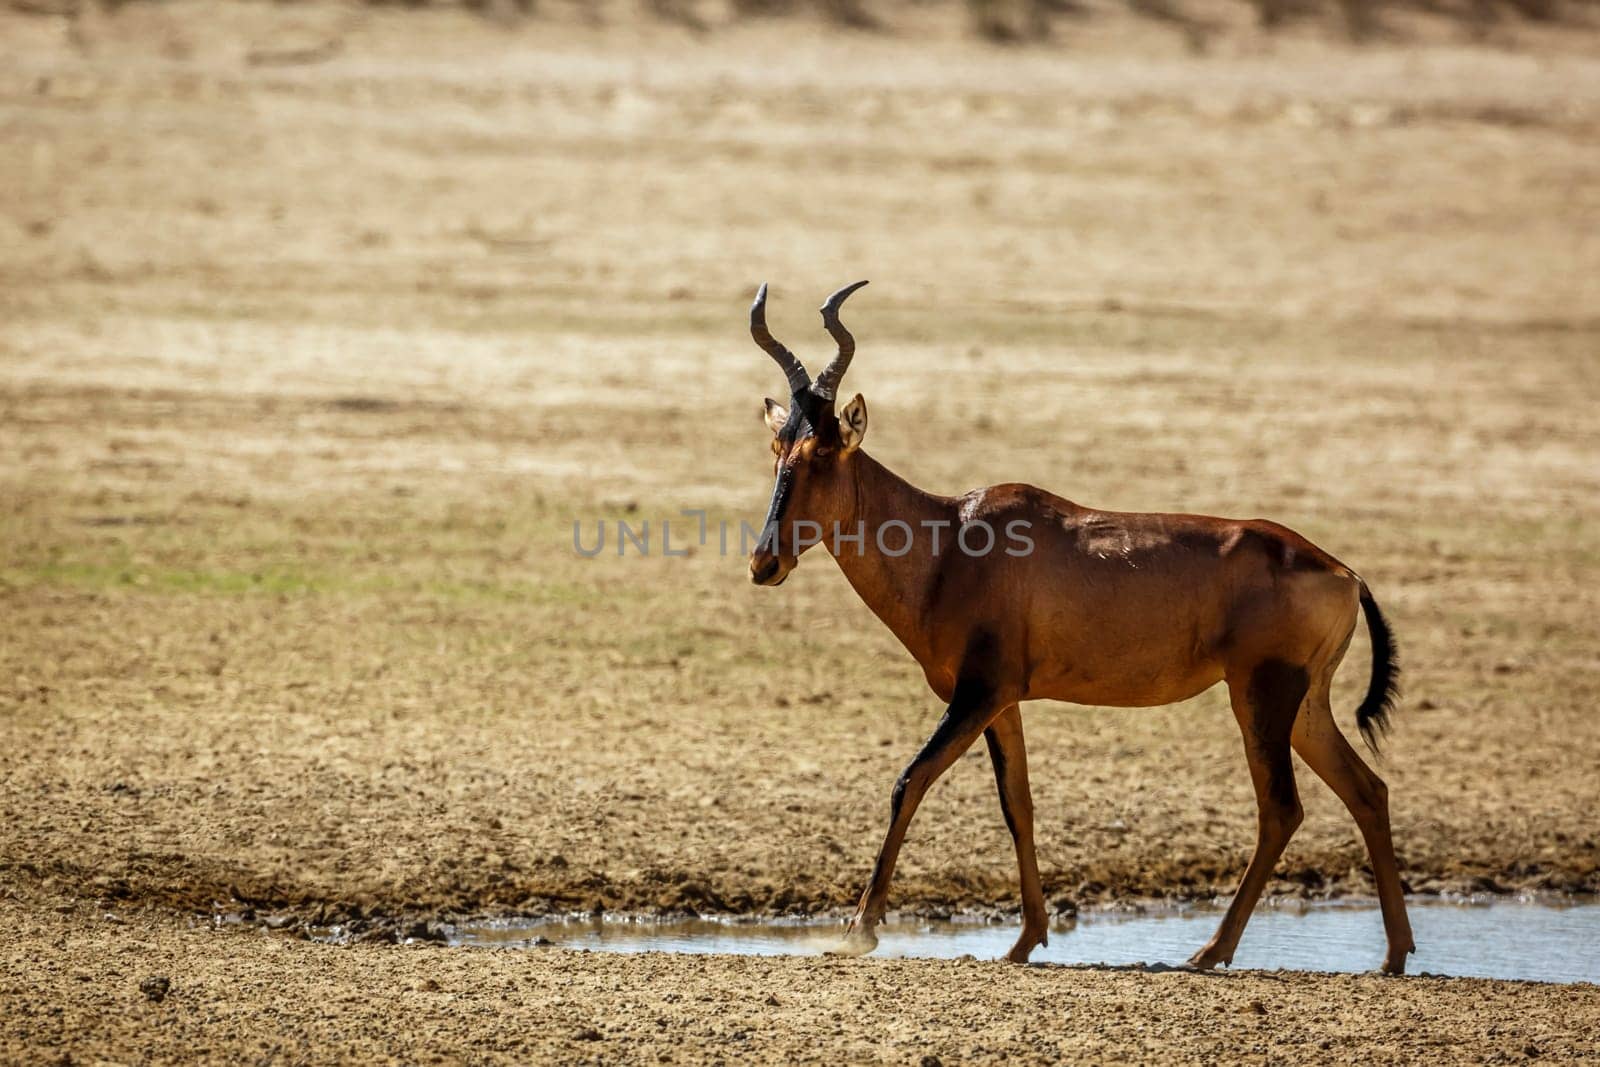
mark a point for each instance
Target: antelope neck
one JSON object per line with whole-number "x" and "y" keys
{"x": 893, "y": 585}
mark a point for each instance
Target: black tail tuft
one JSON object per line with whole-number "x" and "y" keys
{"x": 1372, "y": 717}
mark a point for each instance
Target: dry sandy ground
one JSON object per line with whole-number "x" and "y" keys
{"x": 72, "y": 984}
{"x": 307, "y": 370}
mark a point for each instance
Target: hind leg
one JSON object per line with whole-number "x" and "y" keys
{"x": 1318, "y": 741}
{"x": 1265, "y": 701}
{"x": 1010, "y": 758}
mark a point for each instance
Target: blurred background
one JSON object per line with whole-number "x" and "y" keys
{"x": 321, "y": 324}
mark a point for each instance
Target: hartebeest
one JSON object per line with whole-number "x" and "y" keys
{"x": 1099, "y": 607}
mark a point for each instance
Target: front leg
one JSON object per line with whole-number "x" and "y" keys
{"x": 971, "y": 709}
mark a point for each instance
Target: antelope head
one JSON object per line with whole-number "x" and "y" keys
{"x": 812, "y": 446}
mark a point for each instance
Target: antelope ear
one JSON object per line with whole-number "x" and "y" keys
{"x": 853, "y": 423}
{"x": 776, "y": 415}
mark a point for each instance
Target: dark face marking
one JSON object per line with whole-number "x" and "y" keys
{"x": 809, "y": 416}
{"x": 780, "y": 500}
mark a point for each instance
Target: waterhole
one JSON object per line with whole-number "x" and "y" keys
{"x": 1540, "y": 941}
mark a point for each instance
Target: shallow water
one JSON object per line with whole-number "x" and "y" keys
{"x": 1525, "y": 940}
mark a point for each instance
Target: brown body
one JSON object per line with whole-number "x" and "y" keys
{"x": 1107, "y": 608}
{"x": 1092, "y": 607}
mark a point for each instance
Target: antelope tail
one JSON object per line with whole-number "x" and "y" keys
{"x": 1383, "y": 690}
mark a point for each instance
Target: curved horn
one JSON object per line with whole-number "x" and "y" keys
{"x": 828, "y": 381}
{"x": 799, "y": 380}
